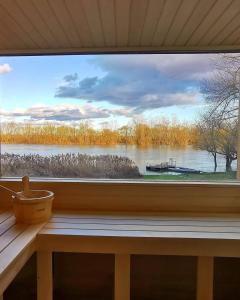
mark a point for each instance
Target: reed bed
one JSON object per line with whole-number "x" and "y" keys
{"x": 68, "y": 165}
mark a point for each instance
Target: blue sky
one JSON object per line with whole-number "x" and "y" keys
{"x": 103, "y": 89}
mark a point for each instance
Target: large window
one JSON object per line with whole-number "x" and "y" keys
{"x": 137, "y": 116}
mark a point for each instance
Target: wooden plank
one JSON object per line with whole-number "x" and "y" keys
{"x": 149, "y": 216}
{"x": 148, "y": 221}
{"x": 145, "y": 228}
{"x": 7, "y": 224}
{"x": 153, "y": 14}
{"x": 64, "y": 18}
{"x": 196, "y": 18}
{"x": 5, "y": 41}
{"x": 5, "y": 215}
{"x": 17, "y": 246}
{"x": 137, "y": 19}
{"x": 32, "y": 12}
{"x": 232, "y": 38}
{"x": 52, "y": 22}
{"x": 122, "y": 277}
{"x": 92, "y": 12}
{"x": 107, "y": 11}
{"x": 213, "y": 16}
{"x": 80, "y": 20}
{"x": 29, "y": 28}
{"x": 14, "y": 30}
{"x": 134, "y": 196}
{"x": 190, "y": 246}
{"x": 15, "y": 265}
{"x": 143, "y": 233}
{"x": 44, "y": 276}
{"x": 10, "y": 235}
{"x": 170, "y": 9}
{"x": 205, "y": 278}
{"x": 122, "y": 10}
{"x": 222, "y": 36}
{"x": 220, "y": 24}
{"x": 131, "y": 197}
{"x": 182, "y": 16}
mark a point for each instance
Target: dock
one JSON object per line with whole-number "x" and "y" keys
{"x": 171, "y": 167}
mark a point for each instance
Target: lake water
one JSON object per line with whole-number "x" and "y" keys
{"x": 185, "y": 157}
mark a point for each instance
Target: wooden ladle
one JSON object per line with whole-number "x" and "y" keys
{"x": 26, "y": 188}
{"x": 10, "y": 191}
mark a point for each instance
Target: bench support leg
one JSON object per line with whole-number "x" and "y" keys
{"x": 205, "y": 278}
{"x": 44, "y": 275}
{"x": 122, "y": 277}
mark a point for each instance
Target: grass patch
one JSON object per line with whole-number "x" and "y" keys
{"x": 203, "y": 176}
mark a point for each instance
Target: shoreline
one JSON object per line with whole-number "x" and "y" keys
{"x": 203, "y": 176}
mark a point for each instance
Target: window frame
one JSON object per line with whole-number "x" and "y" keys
{"x": 196, "y": 186}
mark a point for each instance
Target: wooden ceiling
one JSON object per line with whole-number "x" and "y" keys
{"x": 50, "y": 26}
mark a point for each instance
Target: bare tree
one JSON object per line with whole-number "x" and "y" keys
{"x": 222, "y": 93}
{"x": 227, "y": 141}
{"x": 222, "y": 90}
{"x": 208, "y": 132}
{"x": 218, "y": 137}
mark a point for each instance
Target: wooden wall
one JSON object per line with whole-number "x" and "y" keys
{"x": 137, "y": 197}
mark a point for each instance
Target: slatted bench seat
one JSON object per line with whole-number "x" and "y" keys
{"x": 17, "y": 244}
{"x": 122, "y": 235}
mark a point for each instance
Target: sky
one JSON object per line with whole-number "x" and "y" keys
{"x": 103, "y": 89}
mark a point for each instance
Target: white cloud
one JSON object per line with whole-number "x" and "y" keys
{"x": 61, "y": 113}
{"x": 142, "y": 82}
{"x": 5, "y": 68}
{"x": 181, "y": 66}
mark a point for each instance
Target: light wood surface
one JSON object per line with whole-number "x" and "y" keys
{"x": 44, "y": 275}
{"x": 205, "y": 278}
{"x": 139, "y": 234}
{"x": 122, "y": 277}
{"x": 144, "y": 226}
{"x": 137, "y": 196}
{"x": 81, "y": 25}
{"x": 122, "y": 235}
{"x": 17, "y": 244}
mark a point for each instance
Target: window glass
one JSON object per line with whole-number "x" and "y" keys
{"x": 136, "y": 116}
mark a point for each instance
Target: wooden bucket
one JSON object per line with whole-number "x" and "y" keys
{"x": 35, "y": 208}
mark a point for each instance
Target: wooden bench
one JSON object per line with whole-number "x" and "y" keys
{"x": 17, "y": 244}
{"x": 122, "y": 235}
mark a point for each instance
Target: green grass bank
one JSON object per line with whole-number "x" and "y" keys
{"x": 215, "y": 176}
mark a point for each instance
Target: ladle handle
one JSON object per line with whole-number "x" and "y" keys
{"x": 26, "y": 186}
{"x": 9, "y": 190}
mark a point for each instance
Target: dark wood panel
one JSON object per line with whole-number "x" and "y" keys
{"x": 163, "y": 277}
{"x": 226, "y": 278}
{"x": 83, "y": 276}
{"x": 24, "y": 286}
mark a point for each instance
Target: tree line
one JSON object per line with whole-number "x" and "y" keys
{"x": 142, "y": 134}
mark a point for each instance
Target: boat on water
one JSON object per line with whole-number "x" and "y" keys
{"x": 171, "y": 167}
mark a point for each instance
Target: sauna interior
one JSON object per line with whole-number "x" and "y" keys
{"x": 116, "y": 238}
